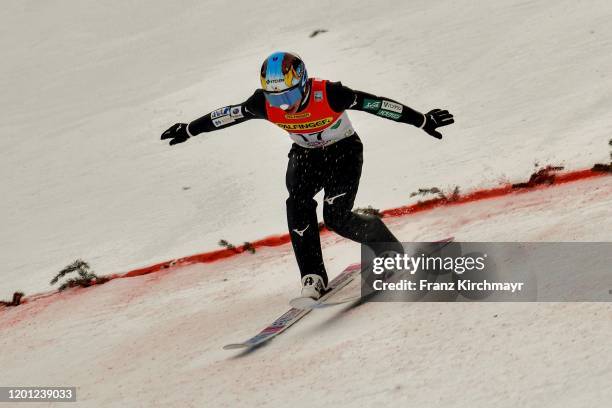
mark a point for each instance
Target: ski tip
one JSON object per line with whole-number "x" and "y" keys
{"x": 303, "y": 303}
{"x": 234, "y": 346}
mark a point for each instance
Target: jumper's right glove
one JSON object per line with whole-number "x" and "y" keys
{"x": 177, "y": 132}
{"x": 434, "y": 119}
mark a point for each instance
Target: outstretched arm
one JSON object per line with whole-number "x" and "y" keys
{"x": 342, "y": 98}
{"x": 252, "y": 108}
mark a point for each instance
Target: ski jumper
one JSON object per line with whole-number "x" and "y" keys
{"x": 327, "y": 154}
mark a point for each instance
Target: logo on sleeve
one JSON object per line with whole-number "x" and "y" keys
{"x": 223, "y": 120}
{"x": 236, "y": 112}
{"x": 390, "y": 115}
{"x": 392, "y": 106}
{"x": 371, "y": 104}
{"x": 220, "y": 112}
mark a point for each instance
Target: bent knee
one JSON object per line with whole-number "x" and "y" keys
{"x": 298, "y": 202}
{"x": 336, "y": 220}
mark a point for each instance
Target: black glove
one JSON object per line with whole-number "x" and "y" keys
{"x": 177, "y": 132}
{"x": 434, "y": 119}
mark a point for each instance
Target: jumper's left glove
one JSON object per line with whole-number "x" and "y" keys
{"x": 177, "y": 132}
{"x": 434, "y": 119}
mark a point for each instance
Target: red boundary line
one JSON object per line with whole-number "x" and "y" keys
{"x": 278, "y": 240}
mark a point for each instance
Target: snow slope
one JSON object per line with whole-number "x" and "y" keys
{"x": 156, "y": 340}
{"x": 88, "y": 88}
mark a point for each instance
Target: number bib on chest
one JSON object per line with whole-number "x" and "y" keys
{"x": 317, "y": 125}
{"x": 337, "y": 130}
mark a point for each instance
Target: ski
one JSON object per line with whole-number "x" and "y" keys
{"x": 302, "y": 306}
{"x": 323, "y": 302}
{"x": 277, "y": 327}
{"x": 294, "y": 314}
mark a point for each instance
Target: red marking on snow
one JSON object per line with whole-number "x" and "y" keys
{"x": 278, "y": 240}
{"x": 491, "y": 193}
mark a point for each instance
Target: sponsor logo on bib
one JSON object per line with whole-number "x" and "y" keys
{"x": 297, "y": 115}
{"x": 306, "y": 125}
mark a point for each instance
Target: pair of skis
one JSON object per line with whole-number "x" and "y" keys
{"x": 301, "y": 306}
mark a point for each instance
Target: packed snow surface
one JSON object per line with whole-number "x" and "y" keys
{"x": 87, "y": 90}
{"x": 156, "y": 340}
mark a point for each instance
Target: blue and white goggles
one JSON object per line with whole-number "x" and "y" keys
{"x": 285, "y": 99}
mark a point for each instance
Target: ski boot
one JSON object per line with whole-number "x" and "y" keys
{"x": 312, "y": 286}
